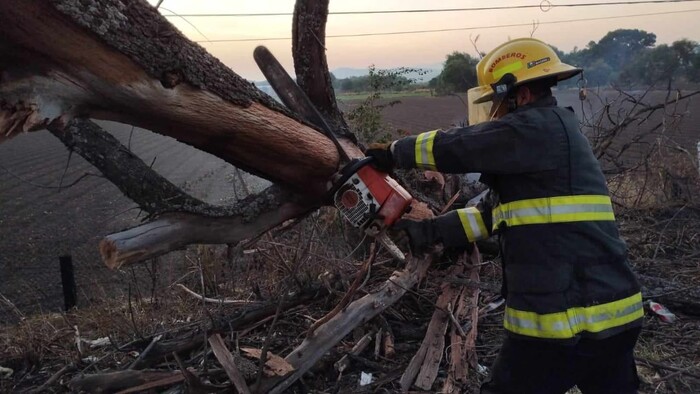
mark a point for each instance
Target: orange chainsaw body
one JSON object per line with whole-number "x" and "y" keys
{"x": 372, "y": 196}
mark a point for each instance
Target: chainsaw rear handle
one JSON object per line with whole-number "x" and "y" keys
{"x": 347, "y": 171}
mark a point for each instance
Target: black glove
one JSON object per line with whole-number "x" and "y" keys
{"x": 422, "y": 235}
{"x": 425, "y": 234}
{"x": 383, "y": 160}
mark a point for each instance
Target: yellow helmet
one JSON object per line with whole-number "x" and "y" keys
{"x": 527, "y": 59}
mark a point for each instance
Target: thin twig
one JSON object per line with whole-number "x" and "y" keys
{"x": 454, "y": 321}
{"x": 59, "y": 187}
{"x": 142, "y": 356}
{"x": 227, "y": 301}
{"x": 661, "y": 233}
{"x": 667, "y": 367}
{"x": 356, "y": 284}
{"x": 66, "y": 369}
{"x": 268, "y": 340}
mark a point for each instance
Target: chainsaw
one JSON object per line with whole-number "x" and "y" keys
{"x": 366, "y": 197}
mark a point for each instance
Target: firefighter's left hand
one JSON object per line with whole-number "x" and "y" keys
{"x": 421, "y": 234}
{"x": 381, "y": 152}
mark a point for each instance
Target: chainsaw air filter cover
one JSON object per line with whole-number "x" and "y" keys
{"x": 370, "y": 195}
{"x": 354, "y": 200}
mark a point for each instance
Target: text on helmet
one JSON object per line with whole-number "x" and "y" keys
{"x": 514, "y": 55}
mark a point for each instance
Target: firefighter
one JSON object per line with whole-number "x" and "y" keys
{"x": 573, "y": 306}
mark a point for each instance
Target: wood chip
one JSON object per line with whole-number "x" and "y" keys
{"x": 276, "y": 365}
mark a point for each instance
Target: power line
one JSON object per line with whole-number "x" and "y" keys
{"x": 184, "y": 19}
{"x": 461, "y": 28}
{"x": 545, "y": 5}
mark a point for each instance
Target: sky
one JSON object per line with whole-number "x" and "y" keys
{"x": 418, "y": 49}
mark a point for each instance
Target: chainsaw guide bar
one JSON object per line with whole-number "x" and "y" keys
{"x": 367, "y": 198}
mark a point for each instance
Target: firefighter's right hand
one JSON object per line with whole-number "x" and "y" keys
{"x": 421, "y": 234}
{"x": 381, "y": 153}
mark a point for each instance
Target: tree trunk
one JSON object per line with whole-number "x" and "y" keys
{"x": 310, "y": 65}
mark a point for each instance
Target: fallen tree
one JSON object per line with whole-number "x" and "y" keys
{"x": 67, "y": 59}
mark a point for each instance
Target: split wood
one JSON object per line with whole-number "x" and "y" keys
{"x": 228, "y": 363}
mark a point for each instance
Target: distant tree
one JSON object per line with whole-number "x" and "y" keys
{"x": 458, "y": 74}
{"x": 598, "y": 73}
{"x": 603, "y": 61}
{"x": 663, "y": 63}
{"x": 385, "y": 80}
{"x": 366, "y": 118}
{"x": 694, "y": 69}
{"x": 347, "y": 84}
{"x": 618, "y": 47}
{"x": 433, "y": 83}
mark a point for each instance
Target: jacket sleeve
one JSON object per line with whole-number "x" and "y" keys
{"x": 494, "y": 147}
{"x": 460, "y": 227}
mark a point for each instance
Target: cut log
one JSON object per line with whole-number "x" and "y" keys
{"x": 123, "y": 61}
{"x": 434, "y": 341}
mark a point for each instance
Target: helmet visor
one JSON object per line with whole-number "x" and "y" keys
{"x": 478, "y": 113}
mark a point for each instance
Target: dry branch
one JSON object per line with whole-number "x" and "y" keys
{"x": 221, "y": 301}
{"x": 136, "y": 180}
{"x": 256, "y": 214}
{"x": 359, "y": 277}
{"x": 239, "y": 320}
{"x": 198, "y": 223}
{"x": 344, "y": 362}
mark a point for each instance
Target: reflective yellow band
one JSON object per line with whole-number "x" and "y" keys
{"x": 473, "y": 224}
{"x": 424, "y": 151}
{"x": 510, "y": 68}
{"x": 560, "y": 209}
{"x": 573, "y": 321}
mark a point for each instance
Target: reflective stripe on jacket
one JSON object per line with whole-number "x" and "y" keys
{"x": 573, "y": 321}
{"x": 565, "y": 266}
{"x": 461, "y": 227}
{"x": 561, "y": 209}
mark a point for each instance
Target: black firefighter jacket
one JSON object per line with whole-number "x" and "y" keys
{"x": 566, "y": 268}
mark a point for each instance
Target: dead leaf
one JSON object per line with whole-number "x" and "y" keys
{"x": 275, "y": 364}
{"x": 433, "y": 176}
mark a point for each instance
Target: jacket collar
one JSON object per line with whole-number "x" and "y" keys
{"x": 546, "y": 101}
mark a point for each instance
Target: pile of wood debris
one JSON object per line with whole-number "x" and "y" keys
{"x": 441, "y": 336}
